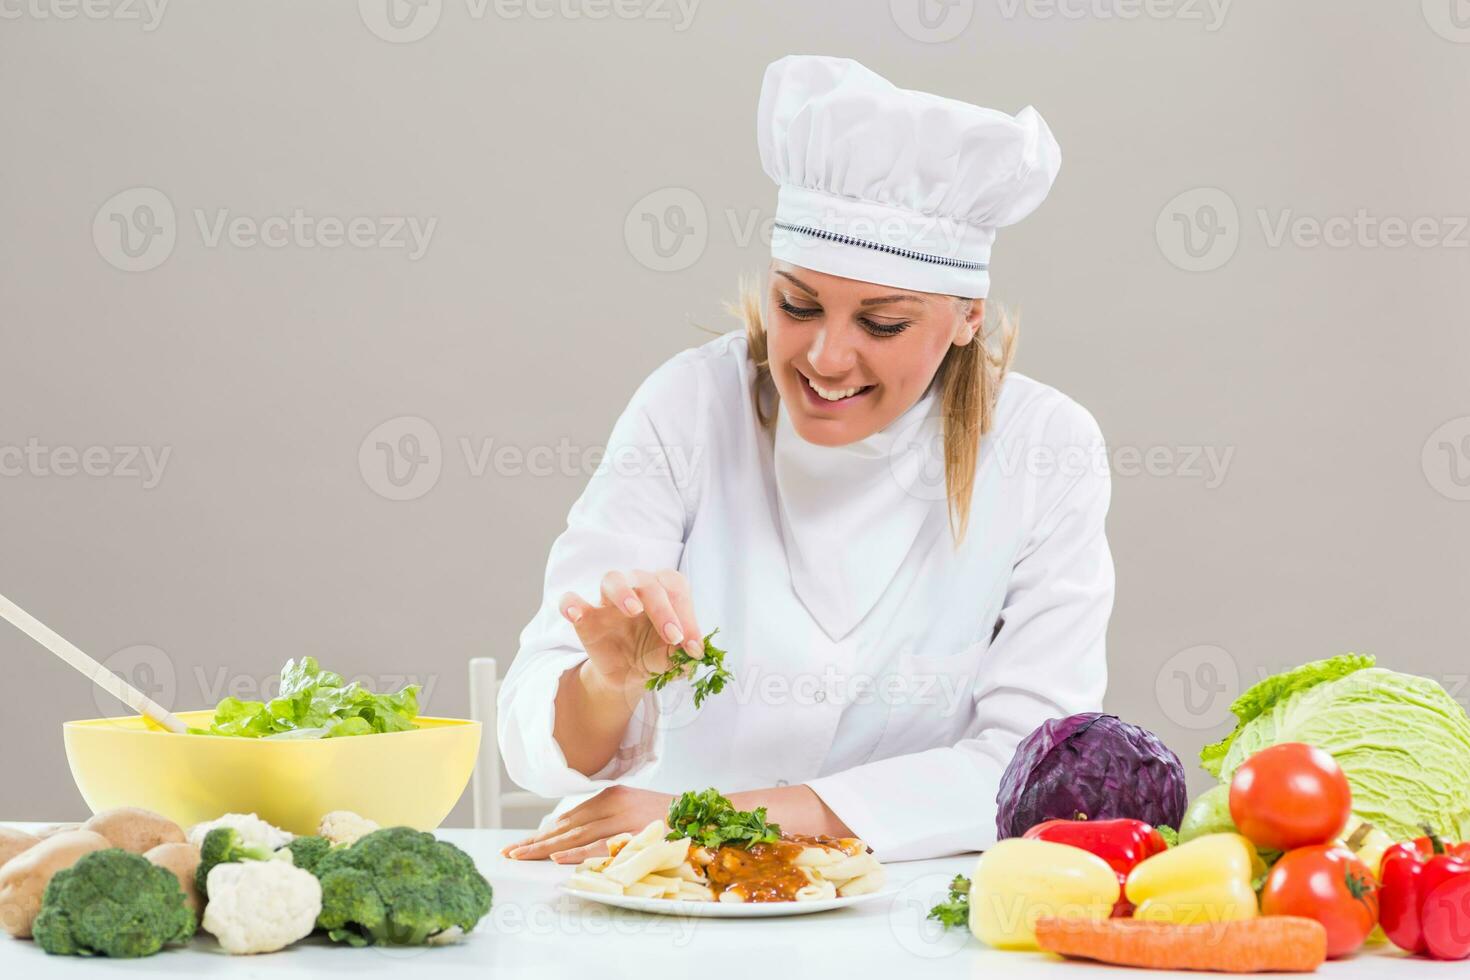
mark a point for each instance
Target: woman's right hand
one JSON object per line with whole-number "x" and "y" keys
{"x": 629, "y": 634}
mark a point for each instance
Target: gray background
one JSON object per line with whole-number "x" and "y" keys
{"x": 1334, "y": 375}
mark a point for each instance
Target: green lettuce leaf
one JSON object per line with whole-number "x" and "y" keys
{"x": 316, "y": 703}
{"x": 1261, "y": 698}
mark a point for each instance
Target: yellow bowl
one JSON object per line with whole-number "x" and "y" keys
{"x": 409, "y": 778}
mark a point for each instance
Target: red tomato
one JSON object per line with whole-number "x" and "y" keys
{"x": 1290, "y": 795}
{"x": 1326, "y": 883}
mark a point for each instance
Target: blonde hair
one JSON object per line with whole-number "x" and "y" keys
{"x": 970, "y": 378}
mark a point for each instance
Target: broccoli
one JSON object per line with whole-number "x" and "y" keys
{"x": 401, "y": 887}
{"x": 224, "y": 845}
{"x": 112, "y": 903}
{"x": 307, "y": 852}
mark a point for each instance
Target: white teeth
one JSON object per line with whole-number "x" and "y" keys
{"x": 833, "y": 395}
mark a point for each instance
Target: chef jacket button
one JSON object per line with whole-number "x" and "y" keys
{"x": 821, "y": 696}
{"x": 782, "y": 782}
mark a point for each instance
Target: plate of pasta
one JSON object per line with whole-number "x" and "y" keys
{"x": 711, "y": 860}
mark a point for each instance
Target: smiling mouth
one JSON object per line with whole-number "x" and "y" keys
{"x": 834, "y": 394}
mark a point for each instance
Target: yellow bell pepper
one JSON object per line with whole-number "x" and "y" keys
{"x": 1205, "y": 880}
{"x": 1019, "y": 881}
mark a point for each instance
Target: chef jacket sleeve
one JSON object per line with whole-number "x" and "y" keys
{"x": 1047, "y": 660}
{"x": 634, "y": 513}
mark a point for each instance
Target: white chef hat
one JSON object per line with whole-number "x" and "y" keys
{"x": 892, "y": 186}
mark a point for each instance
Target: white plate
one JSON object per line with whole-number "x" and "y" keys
{"x": 723, "y": 910}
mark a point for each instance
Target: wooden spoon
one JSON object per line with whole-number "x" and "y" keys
{"x": 91, "y": 669}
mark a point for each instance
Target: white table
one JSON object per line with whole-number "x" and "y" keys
{"x": 535, "y": 931}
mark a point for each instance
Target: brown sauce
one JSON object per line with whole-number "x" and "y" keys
{"x": 760, "y": 873}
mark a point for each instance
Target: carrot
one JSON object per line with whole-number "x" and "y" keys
{"x": 1284, "y": 943}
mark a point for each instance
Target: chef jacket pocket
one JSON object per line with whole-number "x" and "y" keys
{"x": 930, "y": 700}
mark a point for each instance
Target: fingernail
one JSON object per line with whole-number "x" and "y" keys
{"x": 674, "y": 633}
{"x": 574, "y": 614}
{"x": 632, "y": 605}
{"x": 696, "y": 649}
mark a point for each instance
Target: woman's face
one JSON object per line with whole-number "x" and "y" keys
{"x": 848, "y": 357}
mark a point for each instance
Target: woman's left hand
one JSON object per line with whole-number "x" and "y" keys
{"x": 582, "y": 831}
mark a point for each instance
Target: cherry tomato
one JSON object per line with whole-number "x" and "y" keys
{"x": 1327, "y": 883}
{"x": 1290, "y": 795}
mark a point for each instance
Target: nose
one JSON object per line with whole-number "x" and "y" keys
{"x": 833, "y": 352}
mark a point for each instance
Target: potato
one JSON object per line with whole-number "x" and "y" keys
{"x": 24, "y": 878}
{"x": 183, "y": 861}
{"x": 134, "y": 829}
{"x": 12, "y": 842}
{"x": 51, "y": 830}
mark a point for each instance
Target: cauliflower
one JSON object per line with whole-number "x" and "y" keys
{"x": 345, "y": 827}
{"x": 254, "y": 832}
{"x": 261, "y": 906}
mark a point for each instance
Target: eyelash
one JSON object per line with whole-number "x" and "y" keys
{"x": 877, "y": 329}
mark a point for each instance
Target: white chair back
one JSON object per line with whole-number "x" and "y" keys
{"x": 490, "y": 802}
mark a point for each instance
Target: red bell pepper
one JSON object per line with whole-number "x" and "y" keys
{"x": 1121, "y": 843}
{"x": 1425, "y": 903}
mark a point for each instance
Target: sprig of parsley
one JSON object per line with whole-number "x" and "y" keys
{"x": 711, "y": 820}
{"x": 708, "y": 675}
{"x": 956, "y": 910}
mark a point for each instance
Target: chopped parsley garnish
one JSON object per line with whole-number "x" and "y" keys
{"x": 711, "y": 820}
{"x": 955, "y": 911}
{"x": 708, "y": 675}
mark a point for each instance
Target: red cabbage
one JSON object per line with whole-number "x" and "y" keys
{"x": 1093, "y": 766}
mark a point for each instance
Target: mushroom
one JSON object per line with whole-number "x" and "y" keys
{"x": 134, "y": 829}
{"x": 12, "y": 842}
{"x": 24, "y": 877}
{"x": 183, "y": 860}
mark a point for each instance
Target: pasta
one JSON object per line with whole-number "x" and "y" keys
{"x": 799, "y": 869}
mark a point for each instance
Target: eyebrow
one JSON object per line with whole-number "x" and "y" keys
{"x": 798, "y": 282}
{"x": 874, "y": 301}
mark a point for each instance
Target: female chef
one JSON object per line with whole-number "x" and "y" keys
{"x": 905, "y": 558}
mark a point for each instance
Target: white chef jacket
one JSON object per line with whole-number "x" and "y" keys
{"x": 904, "y": 724}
